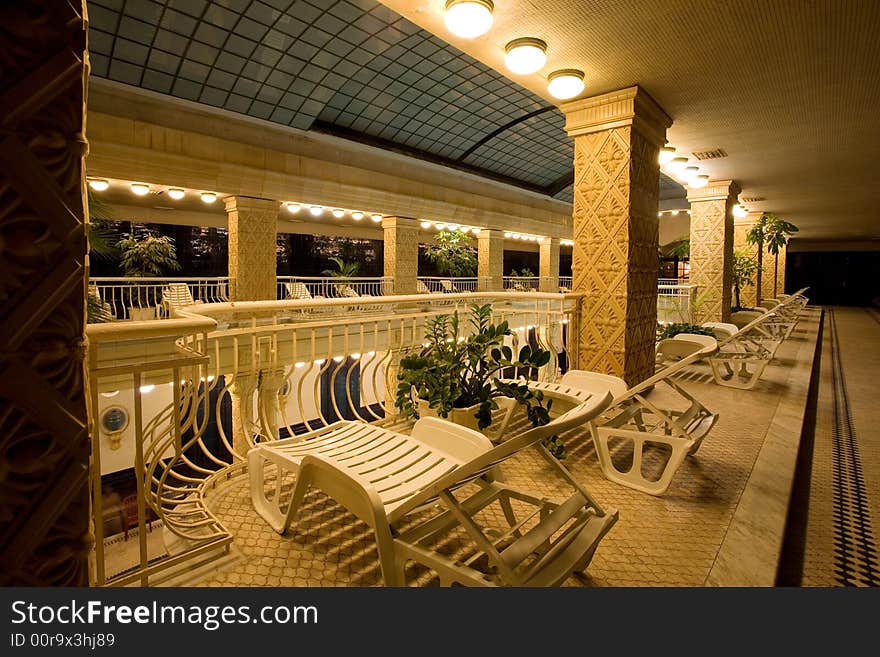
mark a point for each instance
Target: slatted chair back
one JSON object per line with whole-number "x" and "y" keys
{"x": 297, "y": 290}
{"x": 177, "y": 295}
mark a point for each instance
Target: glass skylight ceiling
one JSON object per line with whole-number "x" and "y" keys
{"x": 353, "y": 67}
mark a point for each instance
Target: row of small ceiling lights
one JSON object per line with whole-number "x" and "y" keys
{"x": 142, "y": 189}
{"x": 338, "y": 213}
{"x": 469, "y": 19}
{"x": 677, "y": 167}
{"x": 437, "y": 225}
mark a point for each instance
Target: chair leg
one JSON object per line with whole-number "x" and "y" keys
{"x": 392, "y": 568}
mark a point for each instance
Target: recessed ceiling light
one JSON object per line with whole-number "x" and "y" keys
{"x": 508, "y": 235}
{"x": 676, "y": 164}
{"x": 526, "y": 55}
{"x": 468, "y": 18}
{"x": 476, "y": 231}
{"x": 293, "y": 208}
{"x": 176, "y": 193}
{"x": 357, "y": 216}
{"x": 147, "y": 388}
{"x": 700, "y": 181}
{"x": 209, "y": 197}
{"x": 688, "y": 173}
{"x": 316, "y": 210}
{"x": 566, "y": 83}
{"x": 376, "y": 217}
{"x": 674, "y": 213}
{"x": 441, "y": 226}
{"x": 99, "y": 185}
{"x": 739, "y": 211}
{"x": 140, "y": 189}
{"x": 666, "y": 154}
{"x": 339, "y": 213}
{"x": 426, "y": 225}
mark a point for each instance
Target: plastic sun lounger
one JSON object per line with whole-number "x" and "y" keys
{"x": 632, "y": 421}
{"x": 176, "y": 296}
{"x": 743, "y": 356}
{"x": 408, "y": 489}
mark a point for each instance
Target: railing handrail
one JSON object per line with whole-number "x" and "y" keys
{"x": 332, "y": 278}
{"x": 158, "y": 279}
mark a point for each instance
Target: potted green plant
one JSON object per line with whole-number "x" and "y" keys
{"x": 770, "y": 232}
{"x": 744, "y": 268}
{"x": 520, "y": 280}
{"x": 344, "y": 271}
{"x": 670, "y": 330}
{"x": 146, "y": 254}
{"x": 453, "y": 254}
{"x": 458, "y": 377}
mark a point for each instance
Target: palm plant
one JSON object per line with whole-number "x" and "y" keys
{"x": 770, "y": 232}
{"x": 744, "y": 267}
{"x": 343, "y": 269}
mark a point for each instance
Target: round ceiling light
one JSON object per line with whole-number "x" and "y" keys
{"x": 99, "y": 185}
{"x": 699, "y": 181}
{"x": 140, "y": 189}
{"x": 676, "y": 164}
{"x": 468, "y": 19}
{"x": 739, "y": 211}
{"x": 666, "y": 154}
{"x": 316, "y": 210}
{"x": 565, "y": 83}
{"x": 293, "y": 208}
{"x": 339, "y": 213}
{"x": 476, "y": 231}
{"x": 176, "y": 193}
{"x": 526, "y": 55}
{"x": 376, "y": 217}
{"x": 357, "y": 216}
{"x": 687, "y": 174}
{"x": 426, "y": 225}
{"x": 209, "y": 197}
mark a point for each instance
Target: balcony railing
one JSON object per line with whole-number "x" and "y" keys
{"x": 447, "y": 285}
{"x": 153, "y": 298}
{"x": 676, "y": 303}
{"x": 310, "y": 287}
{"x": 522, "y": 283}
{"x": 182, "y": 401}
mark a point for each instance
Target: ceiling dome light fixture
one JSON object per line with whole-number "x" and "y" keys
{"x": 98, "y": 184}
{"x": 666, "y": 154}
{"x": 339, "y": 214}
{"x": 376, "y": 217}
{"x": 293, "y": 208}
{"x": 357, "y": 216}
{"x": 699, "y": 181}
{"x": 688, "y": 173}
{"x": 209, "y": 197}
{"x": 176, "y": 193}
{"x": 441, "y": 226}
{"x": 140, "y": 189}
{"x": 476, "y": 231}
{"x": 316, "y": 210}
{"x": 739, "y": 211}
{"x": 426, "y": 225}
{"x": 468, "y": 19}
{"x": 525, "y": 55}
{"x": 676, "y": 164}
{"x": 565, "y": 83}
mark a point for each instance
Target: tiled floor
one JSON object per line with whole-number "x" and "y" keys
{"x": 844, "y": 501}
{"x": 659, "y": 541}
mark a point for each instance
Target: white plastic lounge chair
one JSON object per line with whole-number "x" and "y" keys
{"x": 421, "y": 288}
{"x": 409, "y": 490}
{"x": 447, "y": 285}
{"x": 657, "y": 438}
{"x": 722, "y": 330}
{"x": 176, "y": 296}
{"x": 297, "y": 290}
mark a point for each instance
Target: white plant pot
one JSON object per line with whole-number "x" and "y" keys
{"x": 461, "y": 416}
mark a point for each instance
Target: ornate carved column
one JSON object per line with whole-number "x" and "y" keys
{"x": 748, "y": 294}
{"x": 401, "y": 253}
{"x": 253, "y": 225}
{"x": 712, "y": 248}
{"x": 617, "y": 137}
{"x": 548, "y": 265}
{"x": 243, "y": 422}
{"x": 44, "y": 444}
{"x": 773, "y": 278}
{"x": 490, "y": 258}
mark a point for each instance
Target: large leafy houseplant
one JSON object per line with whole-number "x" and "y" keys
{"x": 769, "y": 232}
{"x": 452, "y": 253}
{"x": 744, "y": 268}
{"x": 146, "y": 254}
{"x": 457, "y": 371}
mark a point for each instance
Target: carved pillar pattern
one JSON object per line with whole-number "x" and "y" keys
{"x": 253, "y": 226}
{"x": 44, "y": 445}
{"x": 490, "y": 260}
{"x": 770, "y": 290}
{"x": 616, "y": 230}
{"x": 548, "y": 264}
{"x": 711, "y": 254}
{"x": 401, "y": 248}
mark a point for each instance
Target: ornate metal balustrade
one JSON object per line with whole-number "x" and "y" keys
{"x": 196, "y": 392}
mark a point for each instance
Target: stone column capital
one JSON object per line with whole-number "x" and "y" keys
{"x": 400, "y": 222}
{"x": 489, "y": 234}
{"x": 715, "y": 190}
{"x": 632, "y": 106}
{"x": 250, "y": 204}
